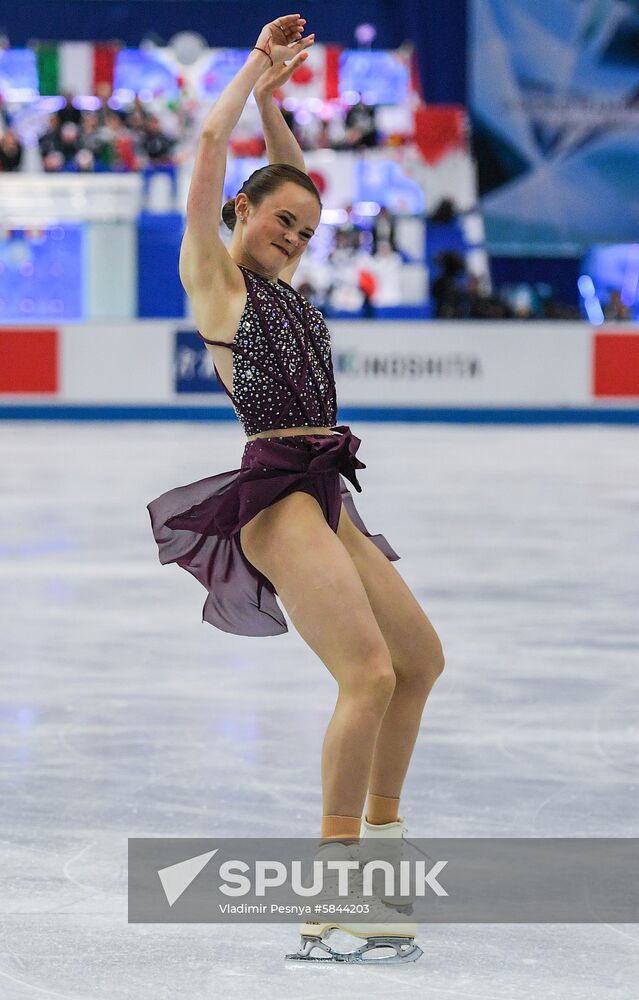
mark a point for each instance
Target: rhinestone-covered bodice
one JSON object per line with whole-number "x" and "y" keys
{"x": 282, "y": 365}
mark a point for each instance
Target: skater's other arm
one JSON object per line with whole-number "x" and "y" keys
{"x": 203, "y": 257}
{"x": 281, "y": 144}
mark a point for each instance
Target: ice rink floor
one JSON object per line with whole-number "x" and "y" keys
{"x": 123, "y": 715}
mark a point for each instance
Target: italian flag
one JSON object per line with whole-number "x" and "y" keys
{"x": 74, "y": 66}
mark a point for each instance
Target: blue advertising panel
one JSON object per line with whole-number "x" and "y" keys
{"x": 41, "y": 273}
{"x": 194, "y": 370}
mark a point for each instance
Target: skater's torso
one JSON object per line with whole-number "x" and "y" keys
{"x": 272, "y": 356}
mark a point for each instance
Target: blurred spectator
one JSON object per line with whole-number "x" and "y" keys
{"x": 560, "y": 310}
{"x": 361, "y": 129}
{"x": 4, "y": 115}
{"x": 121, "y": 144}
{"x": 49, "y": 141}
{"x": 445, "y": 212}
{"x": 84, "y": 161}
{"x": 384, "y": 229}
{"x": 311, "y": 293}
{"x": 614, "y": 308}
{"x": 522, "y": 302}
{"x": 349, "y": 230}
{"x": 104, "y": 92}
{"x": 69, "y": 113}
{"x": 156, "y": 144}
{"x": 135, "y": 121}
{"x": 93, "y": 140}
{"x": 53, "y": 161}
{"x": 343, "y": 250}
{"x": 386, "y": 267}
{"x": 10, "y": 152}
{"x": 448, "y": 290}
{"x": 139, "y": 113}
{"x": 68, "y": 140}
{"x": 482, "y": 303}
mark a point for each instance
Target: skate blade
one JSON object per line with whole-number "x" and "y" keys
{"x": 405, "y": 951}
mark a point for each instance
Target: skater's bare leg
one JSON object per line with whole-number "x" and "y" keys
{"x": 292, "y": 545}
{"x": 416, "y": 654}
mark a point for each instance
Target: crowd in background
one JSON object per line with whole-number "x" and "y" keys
{"x": 134, "y": 137}
{"x": 361, "y": 272}
{"x": 458, "y": 294}
{"x": 76, "y": 140}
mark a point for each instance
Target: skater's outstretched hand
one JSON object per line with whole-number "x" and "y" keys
{"x": 282, "y": 38}
{"x": 275, "y": 77}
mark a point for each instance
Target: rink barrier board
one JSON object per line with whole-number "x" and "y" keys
{"x": 453, "y": 371}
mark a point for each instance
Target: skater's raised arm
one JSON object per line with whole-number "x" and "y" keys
{"x": 203, "y": 255}
{"x": 281, "y": 144}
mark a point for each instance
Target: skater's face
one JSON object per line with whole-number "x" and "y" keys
{"x": 276, "y": 232}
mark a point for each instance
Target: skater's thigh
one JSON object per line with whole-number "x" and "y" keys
{"x": 318, "y": 584}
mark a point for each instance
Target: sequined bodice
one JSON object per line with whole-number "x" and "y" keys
{"x": 282, "y": 365}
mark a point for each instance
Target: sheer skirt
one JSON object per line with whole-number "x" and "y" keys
{"x": 197, "y": 526}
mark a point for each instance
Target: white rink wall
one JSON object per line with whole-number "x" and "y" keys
{"x": 381, "y": 367}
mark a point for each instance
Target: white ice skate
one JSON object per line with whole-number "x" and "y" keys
{"x": 394, "y": 835}
{"x": 382, "y": 930}
{"x": 391, "y": 850}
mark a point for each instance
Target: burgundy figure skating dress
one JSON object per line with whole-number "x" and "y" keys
{"x": 282, "y": 378}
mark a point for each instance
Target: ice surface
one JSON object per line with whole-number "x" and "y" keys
{"x": 122, "y": 715}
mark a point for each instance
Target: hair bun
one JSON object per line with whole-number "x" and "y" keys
{"x": 229, "y": 217}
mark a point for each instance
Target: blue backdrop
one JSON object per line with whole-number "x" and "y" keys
{"x": 555, "y": 122}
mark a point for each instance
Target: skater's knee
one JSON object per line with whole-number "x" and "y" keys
{"x": 372, "y": 681}
{"x": 430, "y": 667}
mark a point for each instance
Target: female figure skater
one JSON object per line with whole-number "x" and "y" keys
{"x": 285, "y": 523}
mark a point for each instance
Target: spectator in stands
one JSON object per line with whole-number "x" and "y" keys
{"x": 361, "y": 128}
{"x": 552, "y": 309}
{"x": 343, "y": 250}
{"x": 448, "y": 290}
{"x": 349, "y": 230}
{"x": 135, "y": 121}
{"x": 68, "y": 141}
{"x": 10, "y": 152}
{"x": 482, "y": 303}
{"x": 104, "y": 92}
{"x": 49, "y": 141}
{"x": 139, "y": 112}
{"x": 615, "y": 309}
{"x": 93, "y": 140}
{"x": 386, "y": 267}
{"x": 52, "y": 161}
{"x": 84, "y": 161}
{"x": 311, "y": 293}
{"x": 120, "y": 144}
{"x": 69, "y": 113}
{"x": 384, "y": 229}
{"x": 157, "y": 145}
{"x": 445, "y": 212}
{"x": 4, "y": 115}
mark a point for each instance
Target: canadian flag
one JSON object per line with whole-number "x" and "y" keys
{"x": 313, "y": 79}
